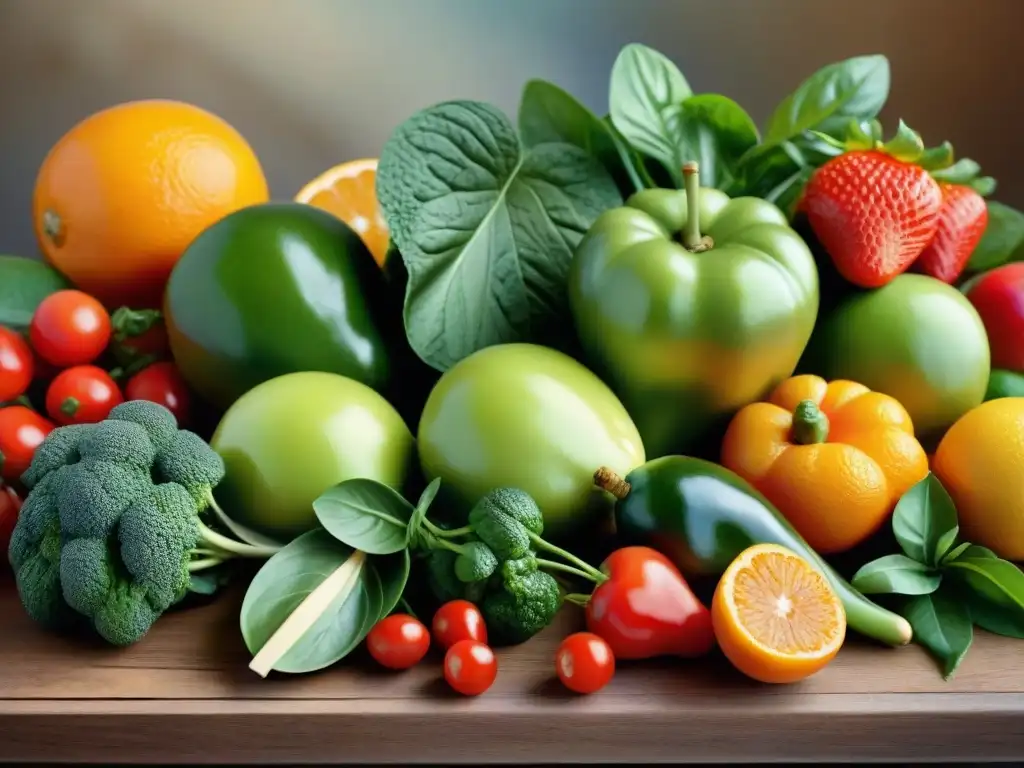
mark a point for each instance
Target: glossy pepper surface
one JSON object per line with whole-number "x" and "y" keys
{"x": 702, "y": 516}
{"x": 833, "y": 457}
{"x": 645, "y": 608}
{"x": 691, "y": 305}
{"x": 275, "y": 289}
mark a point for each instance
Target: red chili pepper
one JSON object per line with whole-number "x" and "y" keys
{"x": 646, "y": 608}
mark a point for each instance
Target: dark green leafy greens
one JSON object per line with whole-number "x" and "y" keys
{"x": 485, "y": 226}
{"x": 1002, "y": 241}
{"x": 24, "y": 283}
{"x": 947, "y": 587}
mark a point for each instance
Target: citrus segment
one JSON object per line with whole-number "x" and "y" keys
{"x": 349, "y": 192}
{"x": 776, "y": 617}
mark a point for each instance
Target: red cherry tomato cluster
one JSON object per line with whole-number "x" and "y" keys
{"x": 584, "y": 662}
{"x": 70, "y": 340}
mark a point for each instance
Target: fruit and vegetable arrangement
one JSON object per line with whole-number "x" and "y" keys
{"x": 720, "y": 389}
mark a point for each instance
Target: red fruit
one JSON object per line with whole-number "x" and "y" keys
{"x": 999, "y": 298}
{"x": 470, "y": 667}
{"x": 962, "y": 221}
{"x": 398, "y": 641}
{"x": 161, "y": 383}
{"x": 84, "y": 394}
{"x": 21, "y": 432}
{"x": 872, "y": 213}
{"x": 458, "y": 620}
{"x": 16, "y": 365}
{"x": 69, "y": 328}
{"x": 584, "y": 663}
{"x": 646, "y": 608}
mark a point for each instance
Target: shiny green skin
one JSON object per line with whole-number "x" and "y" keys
{"x": 1004, "y": 384}
{"x": 917, "y": 340}
{"x": 702, "y": 516}
{"x": 291, "y": 438}
{"x": 686, "y": 339}
{"x": 528, "y": 417}
{"x": 278, "y": 288}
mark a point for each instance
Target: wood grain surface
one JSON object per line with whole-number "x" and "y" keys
{"x": 185, "y": 695}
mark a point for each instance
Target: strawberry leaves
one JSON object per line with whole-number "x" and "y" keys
{"x": 944, "y": 589}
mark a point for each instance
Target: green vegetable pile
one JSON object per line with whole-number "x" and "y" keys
{"x": 111, "y": 534}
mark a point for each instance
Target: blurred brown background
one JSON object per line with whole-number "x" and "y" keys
{"x": 314, "y": 82}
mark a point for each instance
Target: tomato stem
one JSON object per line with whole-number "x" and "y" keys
{"x": 693, "y": 241}
{"x": 810, "y": 424}
{"x": 70, "y": 406}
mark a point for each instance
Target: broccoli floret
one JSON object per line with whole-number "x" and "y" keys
{"x": 159, "y": 423}
{"x": 98, "y": 539}
{"x": 526, "y": 602}
{"x": 188, "y": 461}
{"x": 58, "y": 449}
{"x": 506, "y": 519}
{"x": 475, "y": 562}
{"x": 443, "y": 582}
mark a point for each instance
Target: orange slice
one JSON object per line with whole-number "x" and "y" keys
{"x": 349, "y": 192}
{"x": 776, "y": 617}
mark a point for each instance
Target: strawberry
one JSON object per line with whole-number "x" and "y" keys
{"x": 962, "y": 221}
{"x": 873, "y": 213}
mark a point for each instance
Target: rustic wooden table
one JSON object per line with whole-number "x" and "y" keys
{"x": 185, "y": 695}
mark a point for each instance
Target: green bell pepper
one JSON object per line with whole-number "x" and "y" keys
{"x": 691, "y": 305}
{"x": 702, "y": 516}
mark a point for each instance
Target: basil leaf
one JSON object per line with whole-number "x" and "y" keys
{"x": 309, "y": 605}
{"x": 716, "y": 132}
{"x": 945, "y": 543}
{"x": 486, "y": 229}
{"x": 1003, "y": 238}
{"x": 393, "y": 573}
{"x": 999, "y": 618}
{"x": 991, "y": 577}
{"x": 366, "y": 515}
{"x": 896, "y": 574}
{"x": 954, "y": 554}
{"x": 645, "y": 87}
{"x": 922, "y": 516}
{"x": 24, "y": 283}
{"x": 422, "y": 507}
{"x": 630, "y": 157}
{"x": 547, "y": 114}
{"x": 942, "y": 624}
{"x": 828, "y": 99}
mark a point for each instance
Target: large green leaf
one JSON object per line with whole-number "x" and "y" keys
{"x": 24, "y": 283}
{"x": 486, "y": 228}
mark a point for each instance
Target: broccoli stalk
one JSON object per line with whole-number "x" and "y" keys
{"x": 111, "y": 529}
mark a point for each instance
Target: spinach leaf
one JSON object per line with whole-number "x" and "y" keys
{"x": 485, "y": 227}
{"x": 366, "y": 515}
{"x": 393, "y": 573}
{"x": 645, "y": 89}
{"x": 828, "y": 99}
{"x": 310, "y": 605}
{"x": 942, "y": 624}
{"x": 24, "y": 283}
{"x": 548, "y": 114}
{"x": 1003, "y": 238}
{"x": 921, "y": 518}
{"x": 420, "y": 513}
{"x": 716, "y": 132}
{"x": 896, "y": 574}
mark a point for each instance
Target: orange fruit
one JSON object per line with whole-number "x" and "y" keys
{"x": 980, "y": 462}
{"x": 776, "y": 617}
{"x": 121, "y": 195}
{"x": 349, "y": 191}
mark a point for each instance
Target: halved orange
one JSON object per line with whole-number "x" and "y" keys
{"x": 349, "y": 192}
{"x": 776, "y": 617}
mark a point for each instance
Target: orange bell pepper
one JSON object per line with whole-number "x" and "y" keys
{"x": 833, "y": 457}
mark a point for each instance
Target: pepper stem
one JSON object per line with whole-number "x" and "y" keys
{"x": 693, "y": 241}
{"x": 810, "y": 424}
{"x": 608, "y": 480}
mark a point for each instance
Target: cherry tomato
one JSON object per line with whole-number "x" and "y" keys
{"x": 458, "y": 620}
{"x": 470, "y": 667}
{"x": 21, "y": 432}
{"x": 10, "y": 505}
{"x": 82, "y": 395}
{"x": 398, "y": 641}
{"x": 69, "y": 328}
{"x": 584, "y": 663}
{"x": 161, "y": 383}
{"x": 17, "y": 365}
